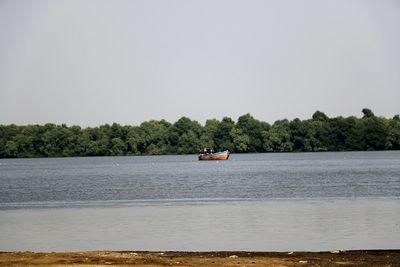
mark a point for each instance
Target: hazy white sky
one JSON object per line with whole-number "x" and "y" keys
{"x": 95, "y": 62}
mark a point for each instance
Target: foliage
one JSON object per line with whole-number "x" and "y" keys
{"x": 186, "y": 136}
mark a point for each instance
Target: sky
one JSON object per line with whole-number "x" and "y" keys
{"x": 93, "y": 62}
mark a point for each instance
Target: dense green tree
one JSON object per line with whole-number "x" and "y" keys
{"x": 134, "y": 141}
{"x": 73, "y": 147}
{"x": 375, "y": 133}
{"x": 241, "y": 141}
{"x": 298, "y": 133}
{"x": 186, "y": 136}
{"x": 154, "y": 133}
{"x": 355, "y": 138}
{"x": 319, "y": 116}
{"x": 393, "y": 137}
{"x": 184, "y": 125}
{"x": 208, "y": 133}
{"x": 278, "y": 138}
{"x": 222, "y": 137}
{"x": 367, "y": 113}
{"x": 55, "y": 139}
{"x": 320, "y": 132}
{"x": 340, "y": 130}
{"x": 189, "y": 143}
{"x": 253, "y": 128}
{"x": 118, "y": 147}
{"x": 11, "y": 149}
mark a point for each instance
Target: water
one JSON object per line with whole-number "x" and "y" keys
{"x": 258, "y": 202}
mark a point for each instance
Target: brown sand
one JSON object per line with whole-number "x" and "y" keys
{"x": 108, "y": 258}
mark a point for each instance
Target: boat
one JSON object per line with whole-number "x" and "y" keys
{"x": 223, "y": 155}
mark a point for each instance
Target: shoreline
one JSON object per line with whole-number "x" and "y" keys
{"x": 196, "y": 154}
{"x": 382, "y": 257}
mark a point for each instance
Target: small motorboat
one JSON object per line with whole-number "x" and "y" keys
{"x": 210, "y": 155}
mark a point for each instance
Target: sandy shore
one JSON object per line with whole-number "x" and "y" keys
{"x": 110, "y": 258}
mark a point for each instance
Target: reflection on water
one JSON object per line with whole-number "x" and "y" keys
{"x": 274, "y": 225}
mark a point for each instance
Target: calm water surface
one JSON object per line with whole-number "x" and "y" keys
{"x": 259, "y": 202}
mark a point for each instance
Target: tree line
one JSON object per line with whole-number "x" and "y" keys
{"x": 186, "y": 136}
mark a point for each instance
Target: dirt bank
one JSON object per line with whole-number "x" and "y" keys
{"x": 124, "y": 258}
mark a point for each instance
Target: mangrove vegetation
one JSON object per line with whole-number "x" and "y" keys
{"x": 186, "y": 136}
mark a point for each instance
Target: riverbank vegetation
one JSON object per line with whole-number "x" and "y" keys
{"x": 186, "y": 136}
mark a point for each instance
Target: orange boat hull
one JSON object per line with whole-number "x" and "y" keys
{"x": 215, "y": 156}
